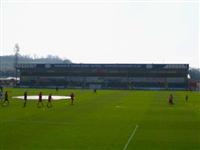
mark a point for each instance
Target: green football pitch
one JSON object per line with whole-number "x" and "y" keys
{"x": 106, "y": 120}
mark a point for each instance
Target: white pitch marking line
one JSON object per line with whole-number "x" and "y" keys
{"x": 129, "y": 140}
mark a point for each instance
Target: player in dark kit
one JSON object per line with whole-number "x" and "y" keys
{"x": 1, "y": 88}
{"x": 49, "y": 104}
{"x": 25, "y": 98}
{"x": 72, "y": 98}
{"x": 186, "y": 98}
{"x": 1, "y": 93}
{"x": 6, "y": 101}
{"x": 171, "y": 99}
{"x": 40, "y": 100}
{"x": 1, "y": 96}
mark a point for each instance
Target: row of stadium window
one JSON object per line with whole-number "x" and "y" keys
{"x": 147, "y": 66}
{"x": 105, "y": 79}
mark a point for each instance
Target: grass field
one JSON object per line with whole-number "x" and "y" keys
{"x": 106, "y": 120}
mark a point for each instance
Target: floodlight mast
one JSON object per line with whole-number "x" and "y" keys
{"x": 16, "y": 51}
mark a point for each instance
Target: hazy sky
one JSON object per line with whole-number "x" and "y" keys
{"x": 103, "y": 31}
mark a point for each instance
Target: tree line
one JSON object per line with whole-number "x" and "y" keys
{"x": 7, "y": 62}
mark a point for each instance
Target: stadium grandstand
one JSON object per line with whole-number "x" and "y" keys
{"x": 105, "y": 76}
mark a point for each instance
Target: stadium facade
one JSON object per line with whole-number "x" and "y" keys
{"x": 105, "y": 76}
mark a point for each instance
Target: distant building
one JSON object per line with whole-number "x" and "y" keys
{"x": 105, "y": 76}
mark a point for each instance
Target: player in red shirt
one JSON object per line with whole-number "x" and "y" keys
{"x": 25, "y": 98}
{"x": 6, "y": 101}
{"x": 72, "y": 98}
{"x": 171, "y": 99}
{"x": 40, "y": 100}
{"x": 49, "y": 104}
